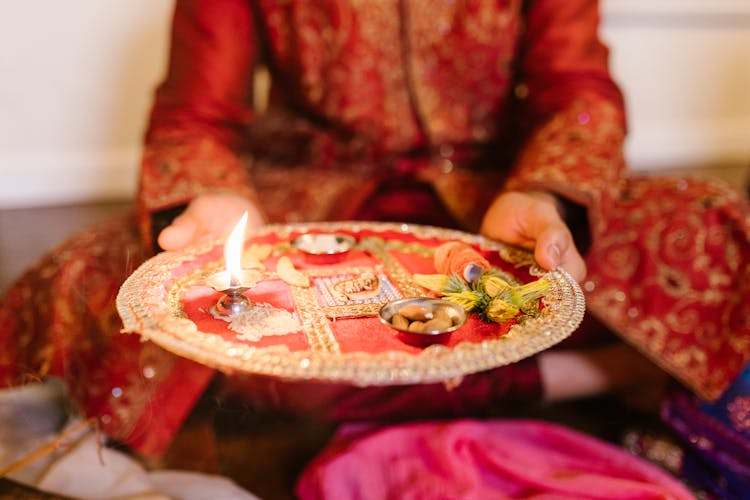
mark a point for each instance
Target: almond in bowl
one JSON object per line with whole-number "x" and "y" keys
{"x": 423, "y": 320}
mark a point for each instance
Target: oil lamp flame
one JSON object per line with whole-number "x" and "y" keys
{"x": 233, "y": 251}
{"x": 234, "y": 280}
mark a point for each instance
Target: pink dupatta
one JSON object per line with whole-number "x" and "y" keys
{"x": 472, "y": 459}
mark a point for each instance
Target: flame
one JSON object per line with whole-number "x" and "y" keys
{"x": 233, "y": 250}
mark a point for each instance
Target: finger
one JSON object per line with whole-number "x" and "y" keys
{"x": 179, "y": 234}
{"x": 551, "y": 242}
{"x": 556, "y": 248}
{"x": 574, "y": 264}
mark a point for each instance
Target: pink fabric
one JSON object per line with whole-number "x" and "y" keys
{"x": 471, "y": 459}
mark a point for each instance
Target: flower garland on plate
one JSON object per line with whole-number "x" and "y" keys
{"x": 466, "y": 278}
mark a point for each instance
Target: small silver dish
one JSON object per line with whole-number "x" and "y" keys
{"x": 429, "y": 320}
{"x": 232, "y": 286}
{"x": 324, "y": 244}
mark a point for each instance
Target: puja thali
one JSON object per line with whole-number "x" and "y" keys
{"x": 316, "y": 315}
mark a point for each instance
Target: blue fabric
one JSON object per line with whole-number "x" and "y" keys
{"x": 715, "y": 439}
{"x": 733, "y": 407}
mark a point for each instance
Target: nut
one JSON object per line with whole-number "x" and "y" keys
{"x": 415, "y": 312}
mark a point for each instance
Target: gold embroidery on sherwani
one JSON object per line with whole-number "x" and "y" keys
{"x": 348, "y": 55}
{"x": 459, "y": 87}
{"x": 675, "y": 288}
{"x": 575, "y": 148}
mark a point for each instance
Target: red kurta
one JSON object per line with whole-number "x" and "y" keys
{"x": 467, "y": 97}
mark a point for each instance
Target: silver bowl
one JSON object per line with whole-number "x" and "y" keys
{"x": 429, "y": 320}
{"x": 324, "y": 243}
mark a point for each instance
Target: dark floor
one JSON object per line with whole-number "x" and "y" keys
{"x": 27, "y": 233}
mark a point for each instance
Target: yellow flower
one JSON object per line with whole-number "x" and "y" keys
{"x": 524, "y": 295}
{"x": 493, "y": 285}
{"x": 499, "y": 310}
{"x": 468, "y": 299}
{"x": 433, "y": 282}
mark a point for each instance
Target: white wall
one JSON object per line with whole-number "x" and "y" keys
{"x": 684, "y": 66}
{"x": 75, "y": 89}
{"x": 77, "y": 78}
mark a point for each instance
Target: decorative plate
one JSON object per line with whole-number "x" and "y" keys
{"x": 330, "y": 330}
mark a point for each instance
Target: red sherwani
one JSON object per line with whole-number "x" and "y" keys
{"x": 465, "y": 97}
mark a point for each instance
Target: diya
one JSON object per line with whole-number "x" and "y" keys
{"x": 233, "y": 281}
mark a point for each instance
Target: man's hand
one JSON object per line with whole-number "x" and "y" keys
{"x": 209, "y": 215}
{"x": 532, "y": 220}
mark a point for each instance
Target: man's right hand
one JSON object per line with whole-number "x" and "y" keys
{"x": 209, "y": 216}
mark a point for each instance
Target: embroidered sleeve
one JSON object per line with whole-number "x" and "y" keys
{"x": 573, "y": 111}
{"x": 201, "y": 109}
